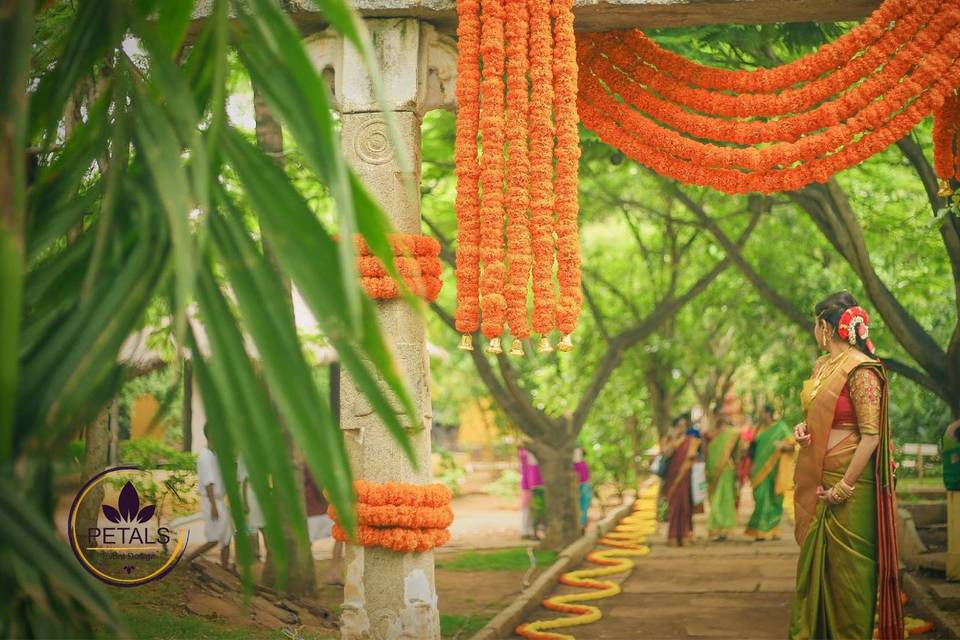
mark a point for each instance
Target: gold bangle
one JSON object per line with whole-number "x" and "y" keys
{"x": 841, "y": 490}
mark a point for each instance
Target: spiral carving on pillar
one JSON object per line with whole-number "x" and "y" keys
{"x": 372, "y": 142}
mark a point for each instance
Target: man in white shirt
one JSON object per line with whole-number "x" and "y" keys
{"x": 218, "y": 527}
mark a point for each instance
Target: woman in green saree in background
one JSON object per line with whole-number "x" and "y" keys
{"x": 722, "y": 479}
{"x": 847, "y": 573}
{"x": 772, "y": 448}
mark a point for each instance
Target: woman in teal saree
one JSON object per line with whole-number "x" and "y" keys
{"x": 772, "y": 448}
{"x": 847, "y": 574}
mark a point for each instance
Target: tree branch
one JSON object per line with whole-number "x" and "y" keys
{"x": 664, "y": 310}
{"x": 514, "y": 404}
{"x": 734, "y": 253}
{"x": 595, "y": 312}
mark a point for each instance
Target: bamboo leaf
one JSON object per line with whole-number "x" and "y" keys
{"x": 281, "y": 70}
{"x": 156, "y": 144}
{"x": 287, "y": 373}
{"x": 29, "y": 536}
{"x": 94, "y": 33}
{"x": 237, "y": 373}
{"x": 307, "y": 253}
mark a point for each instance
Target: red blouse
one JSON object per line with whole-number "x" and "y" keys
{"x": 858, "y": 405}
{"x": 843, "y": 413}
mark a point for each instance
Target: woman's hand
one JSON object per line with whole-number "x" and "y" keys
{"x": 827, "y": 495}
{"x": 801, "y": 434}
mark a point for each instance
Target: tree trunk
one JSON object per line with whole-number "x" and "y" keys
{"x": 187, "y": 406}
{"x": 96, "y": 437}
{"x": 301, "y": 578}
{"x": 556, "y": 466}
{"x": 113, "y": 451}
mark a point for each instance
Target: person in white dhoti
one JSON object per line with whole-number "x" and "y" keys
{"x": 218, "y": 527}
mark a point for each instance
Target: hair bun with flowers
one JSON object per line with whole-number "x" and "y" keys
{"x": 855, "y": 323}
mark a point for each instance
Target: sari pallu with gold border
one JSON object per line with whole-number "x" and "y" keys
{"x": 767, "y": 491}
{"x": 848, "y": 565}
{"x": 722, "y": 482}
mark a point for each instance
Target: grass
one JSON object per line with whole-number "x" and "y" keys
{"x": 514, "y": 559}
{"x": 155, "y": 611}
{"x": 461, "y": 626}
{"x": 161, "y": 625}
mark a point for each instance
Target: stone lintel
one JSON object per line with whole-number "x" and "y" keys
{"x": 605, "y": 15}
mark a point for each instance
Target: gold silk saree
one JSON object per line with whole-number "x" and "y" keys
{"x": 848, "y": 566}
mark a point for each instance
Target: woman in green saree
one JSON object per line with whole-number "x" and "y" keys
{"x": 847, "y": 573}
{"x": 722, "y": 480}
{"x": 772, "y": 448}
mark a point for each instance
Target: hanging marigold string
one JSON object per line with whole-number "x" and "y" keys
{"x": 518, "y": 173}
{"x": 492, "y": 303}
{"x": 568, "y": 164}
{"x": 945, "y": 139}
{"x": 778, "y": 129}
{"x": 541, "y": 170}
{"x": 467, "y": 315}
{"x": 532, "y": 120}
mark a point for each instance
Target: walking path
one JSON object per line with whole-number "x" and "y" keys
{"x": 734, "y": 589}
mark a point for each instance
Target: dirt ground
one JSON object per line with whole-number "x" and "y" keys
{"x": 733, "y": 589}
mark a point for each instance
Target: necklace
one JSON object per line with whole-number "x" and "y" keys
{"x": 826, "y": 371}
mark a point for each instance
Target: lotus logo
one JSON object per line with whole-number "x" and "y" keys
{"x": 106, "y": 551}
{"x": 128, "y": 507}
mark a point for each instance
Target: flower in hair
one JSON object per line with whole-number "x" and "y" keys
{"x": 854, "y": 323}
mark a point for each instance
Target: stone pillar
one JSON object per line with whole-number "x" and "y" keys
{"x": 389, "y": 595}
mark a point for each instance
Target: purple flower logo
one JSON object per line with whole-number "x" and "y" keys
{"x": 128, "y": 507}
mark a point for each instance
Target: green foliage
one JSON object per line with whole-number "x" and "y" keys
{"x": 450, "y": 473}
{"x": 516, "y": 559}
{"x": 148, "y": 453}
{"x": 138, "y": 211}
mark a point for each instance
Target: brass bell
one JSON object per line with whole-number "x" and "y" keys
{"x": 466, "y": 342}
{"x": 494, "y": 346}
{"x": 565, "y": 344}
{"x": 516, "y": 348}
{"x": 945, "y": 190}
{"x": 545, "y": 346}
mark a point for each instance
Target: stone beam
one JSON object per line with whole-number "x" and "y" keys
{"x": 605, "y": 15}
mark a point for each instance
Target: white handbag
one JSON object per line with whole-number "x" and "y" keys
{"x": 698, "y": 482}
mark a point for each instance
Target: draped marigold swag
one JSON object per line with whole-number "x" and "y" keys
{"x": 778, "y": 129}
{"x": 402, "y": 517}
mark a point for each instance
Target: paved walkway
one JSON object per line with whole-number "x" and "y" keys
{"x": 734, "y": 589}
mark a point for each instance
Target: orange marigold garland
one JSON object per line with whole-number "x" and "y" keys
{"x": 518, "y": 172}
{"x": 945, "y": 142}
{"x": 492, "y": 123}
{"x": 536, "y": 125}
{"x": 568, "y": 161}
{"x": 417, "y": 259}
{"x": 467, "y": 315}
{"x": 811, "y": 118}
{"x": 403, "y": 517}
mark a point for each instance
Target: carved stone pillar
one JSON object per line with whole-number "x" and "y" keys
{"x": 387, "y": 594}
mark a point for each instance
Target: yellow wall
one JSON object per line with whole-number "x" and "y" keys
{"x": 477, "y": 425}
{"x": 142, "y": 413}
